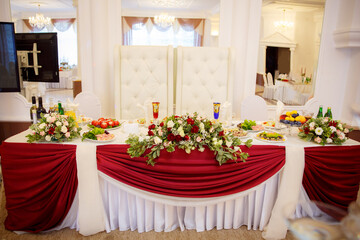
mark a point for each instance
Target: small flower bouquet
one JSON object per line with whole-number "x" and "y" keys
{"x": 54, "y": 128}
{"x": 187, "y": 132}
{"x": 324, "y": 131}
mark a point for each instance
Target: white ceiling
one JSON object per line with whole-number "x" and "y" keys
{"x": 180, "y": 6}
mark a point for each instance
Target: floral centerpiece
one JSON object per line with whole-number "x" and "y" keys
{"x": 54, "y": 127}
{"x": 187, "y": 132}
{"x": 324, "y": 131}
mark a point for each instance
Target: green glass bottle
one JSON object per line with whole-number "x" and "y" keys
{"x": 328, "y": 113}
{"x": 320, "y": 113}
{"x": 60, "y": 109}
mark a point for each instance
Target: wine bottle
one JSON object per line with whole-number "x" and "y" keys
{"x": 40, "y": 109}
{"x": 328, "y": 113}
{"x": 33, "y": 107}
{"x": 51, "y": 106}
{"x": 60, "y": 108}
{"x": 320, "y": 113}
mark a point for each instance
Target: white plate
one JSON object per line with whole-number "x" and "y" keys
{"x": 97, "y": 141}
{"x": 270, "y": 141}
{"x": 114, "y": 128}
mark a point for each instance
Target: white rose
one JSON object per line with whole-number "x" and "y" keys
{"x": 58, "y": 123}
{"x": 319, "y": 131}
{"x": 341, "y": 136}
{"x": 181, "y": 131}
{"x": 228, "y": 144}
{"x": 66, "y": 123}
{"x": 75, "y": 130}
{"x": 48, "y": 119}
{"x": 326, "y": 119}
{"x": 220, "y": 142}
{"x": 42, "y": 133}
{"x": 63, "y": 129}
{"x": 332, "y": 128}
{"x": 67, "y": 135}
{"x": 170, "y": 124}
{"x": 346, "y": 130}
{"x": 329, "y": 140}
{"x": 179, "y": 121}
{"x": 42, "y": 125}
{"x": 157, "y": 140}
{"x": 141, "y": 139}
{"x": 48, "y": 138}
{"x": 211, "y": 129}
{"x": 312, "y": 124}
{"x": 214, "y": 140}
{"x": 46, "y": 116}
{"x": 198, "y": 139}
{"x": 202, "y": 126}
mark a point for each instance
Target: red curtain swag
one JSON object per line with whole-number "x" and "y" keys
{"x": 332, "y": 174}
{"x": 40, "y": 184}
{"x": 191, "y": 175}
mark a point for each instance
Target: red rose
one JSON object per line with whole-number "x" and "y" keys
{"x": 333, "y": 123}
{"x": 152, "y": 126}
{"x": 306, "y": 130}
{"x": 195, "y": 129}
{"x": 178, "y": 138}
{"x": 171, "y": 137}
{"x": 176, "y": 116}
{"x": 332, "y": 135}
{"x": 186, "y": 137}
{"x": 221, "y": 133}
{"x": 150, "y": 133}
{"x": 169, "y": 129}
{"x": 161, "y": 124}
{"x": 51, "y": 130}
{"x": 190, "y": 121}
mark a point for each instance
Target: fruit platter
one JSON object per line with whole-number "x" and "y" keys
{"x": 105, "y": 123}
{"x": 98, "y": 135}
{"x": 250, "y": 125}
{"x": 272, "y": 137}
{"x": 292, "y": 118}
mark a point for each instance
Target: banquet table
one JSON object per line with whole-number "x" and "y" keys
{"x": 292, "y": 93}
{"x": 94, "y": 187}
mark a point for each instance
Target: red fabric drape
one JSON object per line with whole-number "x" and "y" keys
{"x": 332, "y": 174}
{"x": 40, "y": 184}
{"x": 191, "y": 175}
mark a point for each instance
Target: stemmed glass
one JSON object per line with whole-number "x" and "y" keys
{"x": 216, "y": 110}
{"x": 155, "y": 110}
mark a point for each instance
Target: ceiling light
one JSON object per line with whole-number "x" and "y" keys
{"x": 283, "y": 25}
{"x": 164, "y": 20}
{"x": 171, "y": 3}
{"x": 39, "y": 21}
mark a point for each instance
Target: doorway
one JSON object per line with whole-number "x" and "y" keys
{"x": 277, "y": 61}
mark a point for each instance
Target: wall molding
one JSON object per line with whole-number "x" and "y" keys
{"x": 347, "y": 38}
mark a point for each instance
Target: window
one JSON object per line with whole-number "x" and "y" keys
{"x": 143, "y": 31}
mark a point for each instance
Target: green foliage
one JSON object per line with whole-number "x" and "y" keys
{"x": 187, "y": 132}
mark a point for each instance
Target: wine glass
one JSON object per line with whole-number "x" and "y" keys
{"x": 216, "y": 110}
{"x": 155, "y": 110}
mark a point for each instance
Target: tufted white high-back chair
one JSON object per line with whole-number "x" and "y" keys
{"x": 143, "y": 73}
{"x": 204, "y": 76}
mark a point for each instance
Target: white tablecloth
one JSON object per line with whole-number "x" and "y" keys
{"x": 292, "y": 93}
{"x": 101, "y": 201}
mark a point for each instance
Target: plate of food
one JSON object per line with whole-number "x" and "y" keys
{"x": 82, "y": 120}
{"x": 271, "y": 137}
{"x": 98, "y": 135}
{"x": 271, "y": 125}
{"x": 250, "y": 126}
{"x": 239, "y": 133}
{"x": 105, "y": 123}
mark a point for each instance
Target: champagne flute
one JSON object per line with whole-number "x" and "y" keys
{"x": 216, "y": 110}
{"x": 155, "y": 110}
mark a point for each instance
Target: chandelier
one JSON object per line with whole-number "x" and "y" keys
{"x": 172, "y": 3}
{"x": 39, "y": 21}
{"x": 164, "y": 20}
{"x": 283, "y": 25}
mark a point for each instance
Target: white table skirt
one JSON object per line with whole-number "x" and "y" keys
{"x": 253, "y": 210}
